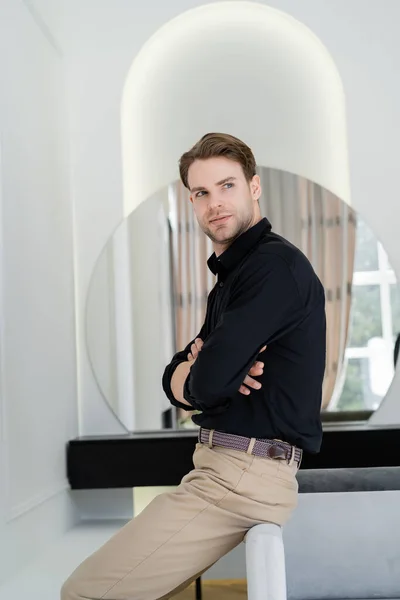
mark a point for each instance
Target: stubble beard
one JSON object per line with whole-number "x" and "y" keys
{"x": 227, "y": 239}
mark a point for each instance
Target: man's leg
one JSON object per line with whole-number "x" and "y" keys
{"x": 180, "y": 534}
{"x": 175, "y": 538}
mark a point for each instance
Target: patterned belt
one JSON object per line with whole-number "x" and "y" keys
{"x": 275, "y": 449}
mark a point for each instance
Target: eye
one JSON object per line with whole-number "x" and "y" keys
{"x": 200, "y": 194}
{"x": 229, "y": 184}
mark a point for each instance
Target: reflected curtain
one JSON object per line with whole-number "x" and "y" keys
{"x": 192, "y": 281}
{"x": 324, "y": 228}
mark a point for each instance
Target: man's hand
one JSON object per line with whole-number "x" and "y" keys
{"x": 194, "y": 350}
{"x": 256, "y": 370}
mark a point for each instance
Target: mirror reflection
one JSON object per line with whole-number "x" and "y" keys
{"x": 148, "y": 293}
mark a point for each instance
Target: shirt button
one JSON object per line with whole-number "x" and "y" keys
{"x": 221, "y": 284}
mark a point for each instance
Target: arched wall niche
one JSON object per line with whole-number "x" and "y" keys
{"x": 237, "y": 67}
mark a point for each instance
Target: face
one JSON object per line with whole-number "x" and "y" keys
{"x": 225, "y": 203}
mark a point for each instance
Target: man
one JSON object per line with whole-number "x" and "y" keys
{"x": 267, "y": 301}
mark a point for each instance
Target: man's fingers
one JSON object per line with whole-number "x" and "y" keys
{"x": 199, "y": 343}
{"x": 195, "y": 349}
{"x": 257, "y": 369}
{"x": 252, "y": 383}
{"x": 244, "y": 390}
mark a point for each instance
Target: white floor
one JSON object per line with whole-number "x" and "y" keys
{"x": 42, "y": 580}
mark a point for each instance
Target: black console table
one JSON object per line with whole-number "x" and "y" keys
{"x": 158, "y": 458}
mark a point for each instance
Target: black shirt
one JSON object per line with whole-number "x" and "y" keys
{"x": 267, "y": 293}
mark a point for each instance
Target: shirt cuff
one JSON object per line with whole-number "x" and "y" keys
{"x": 166, "y": 384}
{"x": 178, "y": 404}
{"x": 187, "y": 395}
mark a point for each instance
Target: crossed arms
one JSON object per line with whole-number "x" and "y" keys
{"x": 264, "y": 304}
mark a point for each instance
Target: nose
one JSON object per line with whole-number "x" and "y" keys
{"x": 214, "y": 202}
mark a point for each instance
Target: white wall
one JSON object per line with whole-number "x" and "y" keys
{"x": 38, "y": 404}
{"x": 101, "y": 38}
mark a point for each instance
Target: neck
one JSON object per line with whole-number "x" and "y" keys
{"x": 220, "y": 248}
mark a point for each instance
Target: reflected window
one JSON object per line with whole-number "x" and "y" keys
{"x": 368, "y": 367}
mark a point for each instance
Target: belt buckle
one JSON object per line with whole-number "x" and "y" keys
{"x": 276, "y": 452}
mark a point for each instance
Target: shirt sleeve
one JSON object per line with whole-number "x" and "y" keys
{"x": 264, "y": 305}
{"x": 178, "y": 358}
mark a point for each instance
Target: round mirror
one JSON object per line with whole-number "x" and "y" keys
{"x": 148, "y": 292}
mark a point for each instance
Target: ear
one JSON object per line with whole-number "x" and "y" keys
{"x": 255, "y": 186}
{"x": 191, "y": 198}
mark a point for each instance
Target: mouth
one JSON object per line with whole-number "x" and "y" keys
{"x": 220, "y": 220}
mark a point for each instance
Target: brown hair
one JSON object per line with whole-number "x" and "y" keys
{"x": 218, "y": 144}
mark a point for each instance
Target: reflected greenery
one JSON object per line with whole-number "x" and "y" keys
{"x": 365, "y": 316}
{"x": 395, "y": 301}
{"x": 352, "y": 397}
{"x": 357, "y": 394}
{"x": 366, "y": 252}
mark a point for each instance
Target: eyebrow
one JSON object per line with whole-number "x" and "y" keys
{"x": 199, "y": 189}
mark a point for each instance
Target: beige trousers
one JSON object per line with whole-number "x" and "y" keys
{"x": 180, "y": 534}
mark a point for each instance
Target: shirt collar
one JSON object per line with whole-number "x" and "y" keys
{"x": 239, "y": 248}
